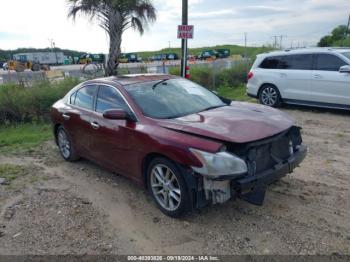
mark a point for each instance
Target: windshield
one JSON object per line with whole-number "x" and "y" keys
{"x": 172, "y": 98}
{"x": 347, "y": 54}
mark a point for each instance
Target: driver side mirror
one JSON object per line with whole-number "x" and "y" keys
{"x": 345, "y": 69}
{"x": 116, "y": 114}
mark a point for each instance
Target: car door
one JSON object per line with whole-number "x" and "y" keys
{"x": 290, "y": 73}
{"x": 295, "y": 76}
{"x": 113, "y": 142}
{"x": 328, "y": 84}
{"x": 77, "y": 115}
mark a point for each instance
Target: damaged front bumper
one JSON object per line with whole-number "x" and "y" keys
{"x": 251, "y": 188}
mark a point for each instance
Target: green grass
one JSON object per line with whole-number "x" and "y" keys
{"x": 23, "y": 136}
{"x": 237, "y": 93}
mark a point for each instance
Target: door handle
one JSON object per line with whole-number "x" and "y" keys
{"x": 95, "y": 125}
{"x": 284, "y": 75}
{"x": 66, "y": 117}
{"x": 317, "y": 76}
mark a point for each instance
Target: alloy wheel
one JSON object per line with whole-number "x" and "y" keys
{"x": 269, "y": 96}
{"x": 63, "y": 143}
{"x": 165, "y": 187}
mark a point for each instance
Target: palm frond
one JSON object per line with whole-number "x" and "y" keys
{"x": 115, "y": 16}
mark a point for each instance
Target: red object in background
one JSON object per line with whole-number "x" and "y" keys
{"x": 187, "y": 75}
{"x": 250, "y": 75}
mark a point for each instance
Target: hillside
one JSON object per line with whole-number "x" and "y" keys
{"x": 235, "y": 49}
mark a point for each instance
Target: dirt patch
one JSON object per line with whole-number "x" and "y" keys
{"x": 81, "y": 208}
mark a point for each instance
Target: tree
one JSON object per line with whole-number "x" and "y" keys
{"x": 115, "y": 17}
{"x": 325, "y": 41}
{"x": 337, "y": 37}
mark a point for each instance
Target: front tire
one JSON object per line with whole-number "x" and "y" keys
{"x": 65, "y": 145}
{"x": 270, "y": 96}
{"x": 168, "y": 187}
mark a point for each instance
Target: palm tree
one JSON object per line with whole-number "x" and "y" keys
{"x": 115, "y": 16}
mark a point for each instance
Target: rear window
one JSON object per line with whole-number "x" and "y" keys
{"x": 288, "y": 62}
{"x": 84, "y": 97}
{"x": 271, "y": 62}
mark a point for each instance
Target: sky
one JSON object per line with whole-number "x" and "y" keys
{"x": 301, "y": 22}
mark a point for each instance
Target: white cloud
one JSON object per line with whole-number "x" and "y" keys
{"x": 33, "y": 22}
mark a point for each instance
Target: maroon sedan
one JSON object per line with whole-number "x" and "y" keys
{"x": 188, "y": 146}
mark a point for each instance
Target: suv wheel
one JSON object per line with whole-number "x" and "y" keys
{"x": 270, "y": 96}
{"x": 168, "y": 187}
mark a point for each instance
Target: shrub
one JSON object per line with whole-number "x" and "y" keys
{"x": 26, "y": 104}
{"x": 215, "y": 78}
{"x": 232, "y": 77}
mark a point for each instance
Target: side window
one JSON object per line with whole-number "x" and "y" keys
{"x": 271, "y": 62}
{"x": 85, "y": 97}
{"x": 109, "y": 98}
{"x": 298, "y": 62}
{"x": 328, "y": 62}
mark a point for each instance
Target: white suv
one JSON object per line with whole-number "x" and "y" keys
{"x": 313, "y": 77}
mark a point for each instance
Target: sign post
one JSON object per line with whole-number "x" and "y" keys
{"x": 184, "y": 40}
{"x": 184, "y": 32}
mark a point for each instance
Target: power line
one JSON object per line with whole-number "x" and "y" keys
{"x": 280, "y": 37}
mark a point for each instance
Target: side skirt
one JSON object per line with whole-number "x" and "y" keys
{"x": 316, "y": 104}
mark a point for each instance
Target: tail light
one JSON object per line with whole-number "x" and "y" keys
{"x": 250, "y": 75}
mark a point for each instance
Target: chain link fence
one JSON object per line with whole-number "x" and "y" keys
{"x": 209, "y": 73}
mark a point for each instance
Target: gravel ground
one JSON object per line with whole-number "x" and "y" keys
{"x": 56, "y": 207}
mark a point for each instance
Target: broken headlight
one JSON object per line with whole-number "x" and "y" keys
{"x": 219, "y": 164}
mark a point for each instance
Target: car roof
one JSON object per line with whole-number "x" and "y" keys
{"x": 133, "y": 79}
{"x": 307, "y": 50}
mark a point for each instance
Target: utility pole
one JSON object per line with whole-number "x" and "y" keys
{"x": 245, "y": 51}
{"x": 184, "y": 41}
{"x": 276, "y": 41}
{"x": 245, "y": 44}
{"x": 169, "y": 44}
{"x": 53, "y": 47}
{"x": 347, "y": 29}
{"x": 281, "y": 39}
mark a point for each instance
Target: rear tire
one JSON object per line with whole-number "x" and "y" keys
{"x": 36, "y": 67}
{"x": 270, "y": 96}
{"x": 168, "y": 187}
{"x": 65, "y": 145}
{"x": 19, "y": 68}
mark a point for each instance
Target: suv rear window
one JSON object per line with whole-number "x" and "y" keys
{"x": 271, "y": 62}
{"x": 289, "y": 62}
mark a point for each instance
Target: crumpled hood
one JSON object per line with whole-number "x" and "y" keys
{"x": 239, "y": 123}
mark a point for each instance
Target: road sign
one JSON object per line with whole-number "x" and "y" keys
{"x": 185, "y": 31}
